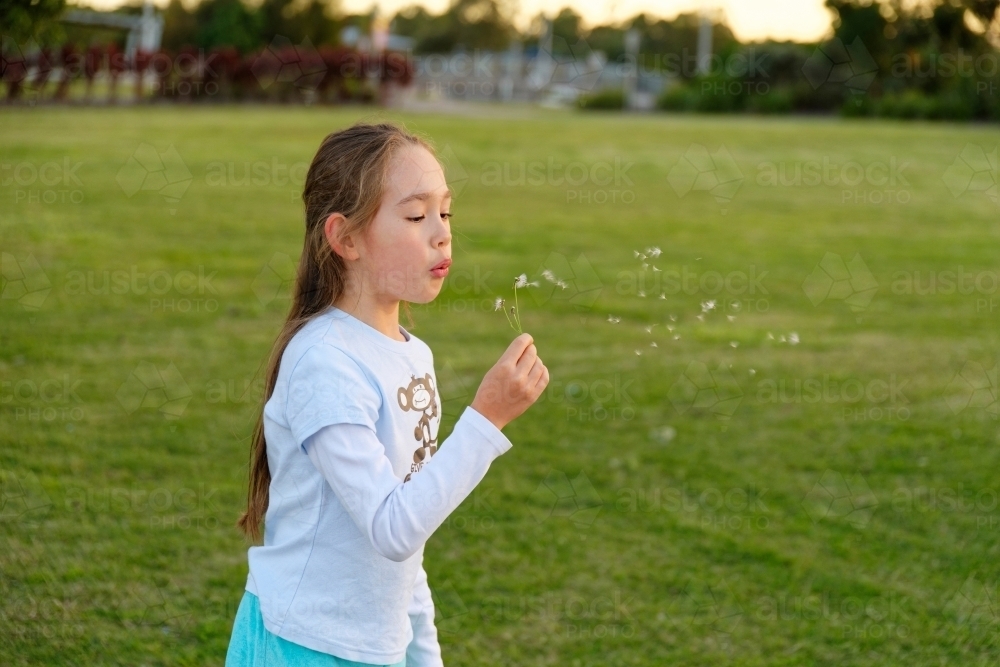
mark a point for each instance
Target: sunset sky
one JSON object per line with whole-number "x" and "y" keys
{"x": 799, "y": 20}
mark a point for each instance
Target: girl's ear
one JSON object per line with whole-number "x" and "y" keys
{"x": 343, "y": 246}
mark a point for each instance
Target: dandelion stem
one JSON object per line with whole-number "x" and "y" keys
{"x": 517, "y": 311}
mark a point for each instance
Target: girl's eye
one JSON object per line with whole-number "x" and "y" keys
{"x": 446, "y": 216}
{"x": 416, "y": 219}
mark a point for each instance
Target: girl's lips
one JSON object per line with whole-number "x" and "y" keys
{"x": 441, "y": 270}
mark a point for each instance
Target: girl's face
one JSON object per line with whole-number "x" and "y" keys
{"x": 411, "y": 233}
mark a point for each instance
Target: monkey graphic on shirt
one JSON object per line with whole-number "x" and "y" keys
{"x": 420, "y": 396}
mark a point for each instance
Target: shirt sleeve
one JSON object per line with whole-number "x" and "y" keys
{"x": 424, "y": 650}
{"x": 328, "y": 387}
{"x": 398, "y": 518}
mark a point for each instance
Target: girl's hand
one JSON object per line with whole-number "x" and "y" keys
{"x": 513, "y": 384}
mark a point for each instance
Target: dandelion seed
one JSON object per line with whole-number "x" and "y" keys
{"x": 707, "y": 305}
{"x": 770, "y": 336}
{"x": 781, "y": 338}
{"x": 562, "y": 284}
{"x": 636, "y": 253}
{"x": 642, "y": 293}
{"x": 653, "y": 251}
{"x": 649, "y": 329}
{"x": 793, "y": 338}
{"x": 655, "y": 269}
{"x": 677, "y": 336}
{"x": 653, "y": 344}
{"x": 613, "y": 319}
{"x": 753, "y": 372}
{"x": 702, "y": 317}
{"x": 645, "y": 266}
{"x": 673, "y": 318}
{"x": 670, "y": 328}
{"x": 731, "y": 318}
{"x": 734, "y": 343}
{"x": 663, "y": 296}
{"x": 638, "y": 352}
{"x": 697, "y": 259}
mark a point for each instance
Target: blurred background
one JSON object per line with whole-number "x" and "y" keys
{"x": 774, "y": 58}
{"x": 760, "y": 240}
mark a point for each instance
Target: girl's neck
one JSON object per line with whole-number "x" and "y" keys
{"x": 383, "y": 316}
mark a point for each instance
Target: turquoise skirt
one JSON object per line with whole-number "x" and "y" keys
{"x": 252, "y": 645}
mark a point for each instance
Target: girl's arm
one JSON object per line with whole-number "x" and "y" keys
{"x": 424, "y": 650}
{"x": 398, "y": 518}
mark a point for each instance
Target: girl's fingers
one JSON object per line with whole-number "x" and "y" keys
{"x": 535, "y": 373}
{"x": 543, "y": 380}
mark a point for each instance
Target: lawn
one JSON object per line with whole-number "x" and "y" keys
{"x": 797, "y": 463}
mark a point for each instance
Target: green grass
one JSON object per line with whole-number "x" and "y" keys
{"x": 735, "y": 525}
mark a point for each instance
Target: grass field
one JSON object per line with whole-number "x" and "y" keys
{"x": 805, "y": 474}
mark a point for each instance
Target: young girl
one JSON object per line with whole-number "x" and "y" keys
{"x": 346, "y": 470}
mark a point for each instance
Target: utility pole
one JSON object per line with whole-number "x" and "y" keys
{"x": 704, "y": 41}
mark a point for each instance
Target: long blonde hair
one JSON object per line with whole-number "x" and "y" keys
{"x": 347, "y": 176}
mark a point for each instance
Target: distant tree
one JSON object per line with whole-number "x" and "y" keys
{"x": 227, "y": 23}
{"x": 22, "y": 20}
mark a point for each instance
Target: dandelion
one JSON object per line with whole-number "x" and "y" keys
{"x": 551, "y": 277}
{"x": 515, "y": 321}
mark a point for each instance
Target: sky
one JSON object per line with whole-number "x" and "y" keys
{"x": 750, "y": 20}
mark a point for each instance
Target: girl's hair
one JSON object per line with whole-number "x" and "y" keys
{"x": 347, "y": 176}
